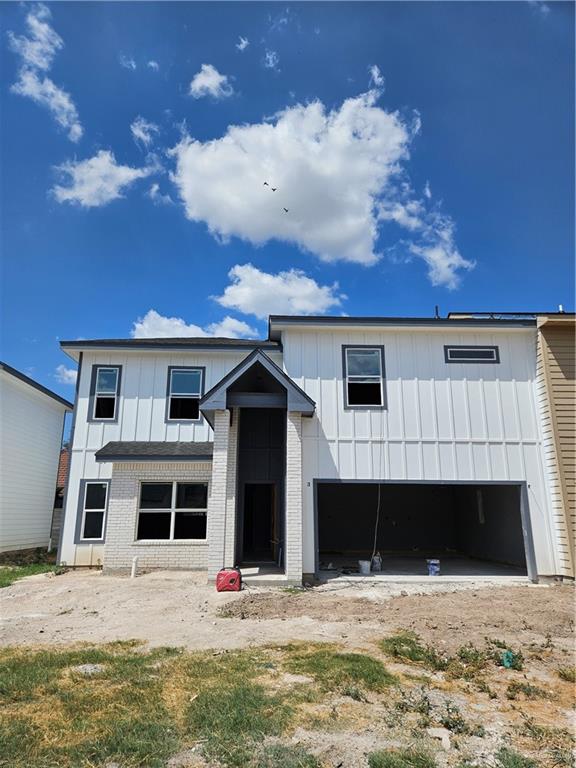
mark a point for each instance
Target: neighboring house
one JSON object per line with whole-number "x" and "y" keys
{"x": 31, "y": 426}
{"x": 557, "y": 391}
{"x": 417, "y": 437}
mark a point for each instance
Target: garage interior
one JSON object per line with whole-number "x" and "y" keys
{"x": 474, "y": 530}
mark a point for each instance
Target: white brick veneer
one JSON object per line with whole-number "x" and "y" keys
{"x": 293, "y": 541}
{"x": 121, "y": 547}
{"x": 221, "y": 506}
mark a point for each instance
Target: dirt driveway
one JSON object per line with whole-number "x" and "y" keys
{"x": 175, "y": 608}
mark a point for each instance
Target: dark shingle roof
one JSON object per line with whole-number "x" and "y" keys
{"x": 201, "y": 342}
{"x": 155, "y": 451}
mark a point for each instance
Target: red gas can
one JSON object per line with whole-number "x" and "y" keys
{"x": 229, "y": 580}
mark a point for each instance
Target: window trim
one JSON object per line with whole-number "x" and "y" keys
{"x": 384, "y": 404}
{"x": 171, "y": 368}
{"x": 81, "y": 511}
{"x": 172, "y": 510}
{"x": 92, "y": 398}
{"x": 471, "y": 361}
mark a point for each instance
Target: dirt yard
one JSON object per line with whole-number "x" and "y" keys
{"x": 357, "y": 670}
{"x": 180, "y": 609}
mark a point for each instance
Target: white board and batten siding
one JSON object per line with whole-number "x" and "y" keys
{"x": 31, "y": 426}
{"x": 141, "y": 416}
{"x": 443, "y": 421}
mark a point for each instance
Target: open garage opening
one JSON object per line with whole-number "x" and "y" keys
{"x": 473, "y": 530}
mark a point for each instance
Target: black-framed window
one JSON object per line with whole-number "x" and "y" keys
{"x": 185, "y": 388}
{"x": 172, "y": 511}
{"x": 94, "y": 506}
{"x": 461, "y": 353}
{"x": 363, "y": 376}
{"x": 105, "y": 389}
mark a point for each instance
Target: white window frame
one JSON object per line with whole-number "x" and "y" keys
{"x": 106, "y": 395}
{"x": 84, "y": 510}
{"x": 169, "y": 395}
{"x": 494, "y": 360}
{"x": 356, "y": 378}
{"x": 172, "y": 509}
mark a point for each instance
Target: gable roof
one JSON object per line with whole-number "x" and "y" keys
{"x": 35, "y": 385}
{"x": 297, "y": 399}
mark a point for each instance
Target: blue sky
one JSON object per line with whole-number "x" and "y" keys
{"x": 424, "y": 152}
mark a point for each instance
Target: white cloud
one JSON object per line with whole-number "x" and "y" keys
{"x": 242, "y": 43}
{"x": 127, "y": 62}
{"x": 341, "y": 174}
{"x": 143, "y": 131}
{"x": 271, "y": 60}
{"x": 37, "y": 52}
{"x": 254, "y": 292}
{"x": 376, "y": 77}
{"x": 157, "y": 197}
{"x": 439, "y": 251}
{"x": 156, "y": 326}
{"x": 153, "y": 65}
{"x": 66, "y": 375}
{"x": 540, "y": 6}
{"x": 209, "y": 82}
{"x": 427, "y": 191}
{"x": 96, "y": 181}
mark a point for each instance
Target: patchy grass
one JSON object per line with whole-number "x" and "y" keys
{"x": 567, "y": 673}
{"x": 401, "y": 758}
{"x": 11, "y": 573}
{"x": 332, "y": 669}
{"x": 508, "y": 758}
{"x": 407, "y": 647}
{"x": 282, "y": 756}
{"x": 515, "y": 689}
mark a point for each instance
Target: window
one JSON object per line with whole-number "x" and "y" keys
{"x": 172, "y": 511}
{"x": 184, "y": 393}
{"x": 364, "y": 377}
{"x": 473, "y": 354}
{"x": 105, "y": 388}
{"x": 94, "y": 500}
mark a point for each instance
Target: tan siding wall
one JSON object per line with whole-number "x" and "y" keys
{"x": 557, "y": 391}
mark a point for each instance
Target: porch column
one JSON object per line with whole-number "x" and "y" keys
{"x": 217, "y": 523}
{"x": 293, "y": 543}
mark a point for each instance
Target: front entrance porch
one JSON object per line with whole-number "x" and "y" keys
{"x": 255, "y": 506}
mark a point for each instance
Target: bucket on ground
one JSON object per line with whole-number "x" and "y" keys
{"x": 377, "y": 562}
{"x": 433, "y": 567}
{"x": 364, "y": 566}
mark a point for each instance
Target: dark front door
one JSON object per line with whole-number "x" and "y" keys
{"x": 260, "y": 536}
{"x": 261, "y": 468}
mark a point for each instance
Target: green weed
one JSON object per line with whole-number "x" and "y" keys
{"x": 332, "y": 670}
{"x": 401, "y": 758}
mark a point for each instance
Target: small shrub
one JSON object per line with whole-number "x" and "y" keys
{"x": 401, "y": 758}
{"x": 527, "y": 690}
{"x": 407, "y": 646}
{"x": 353, "y": 692}
{"x": 454, "y": 721}
{"x": 508, "y": 758}
{"x": 568, "y": 674}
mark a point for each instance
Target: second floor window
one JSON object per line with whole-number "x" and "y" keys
{"x": 363, "y": 377}
{"x": 106, "y": 393}
{"x": 184, "y": 393}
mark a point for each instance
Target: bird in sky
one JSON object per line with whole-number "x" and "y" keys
{"x": 285, "y": 210}
{"x": 266, "y": 184}
{"x": 273, "y": 189}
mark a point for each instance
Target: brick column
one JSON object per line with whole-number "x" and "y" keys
{"x": 230, "y": 530}
{"x": 293, "y": 541}
{"x": 216, "y": 523}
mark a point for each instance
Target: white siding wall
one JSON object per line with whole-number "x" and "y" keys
{"x": 31, "y": 426}
{"x": 141, "y": 417}
{"x": 442, "y": 422}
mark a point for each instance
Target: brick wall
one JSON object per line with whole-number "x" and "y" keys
{"x": 120, "y": 546}
{"x": 293, "y": 554}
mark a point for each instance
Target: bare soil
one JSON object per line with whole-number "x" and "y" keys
{"x": 179, "y": 609}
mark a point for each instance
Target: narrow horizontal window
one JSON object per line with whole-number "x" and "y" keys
{"x": 363, "y": 377}
{"x": 471, "y": 354}
{"x": 105, "y": 387}
{"x": 175, "y": 511}
{"x": 184, "y": 393}
{"x": 94, "y": 505}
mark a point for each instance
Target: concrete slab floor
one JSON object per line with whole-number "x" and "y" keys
{"x": 413, "y": 569}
